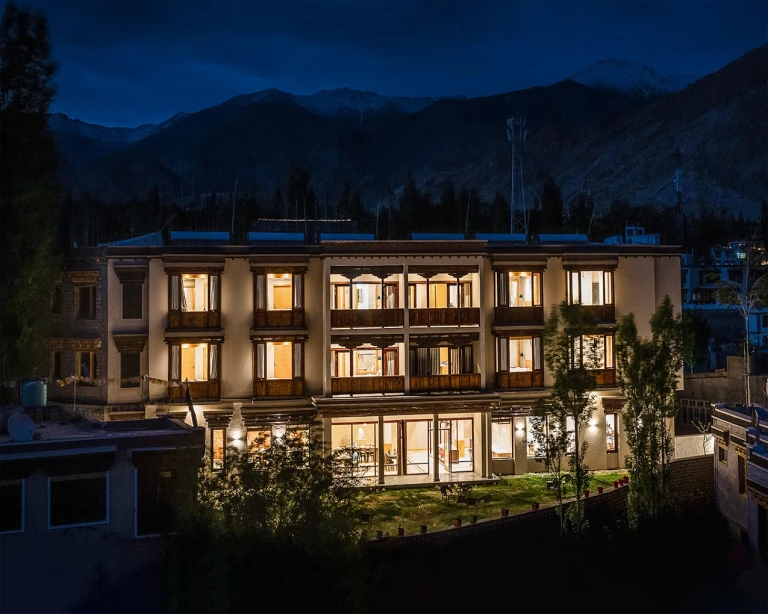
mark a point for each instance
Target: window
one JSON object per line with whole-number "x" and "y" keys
{"x": 194, "y": 362}
{"x": 590, "y": 287}
{"x": 56, "y": 365}
{"x": 518, "y": 289}
{"x": 132, "y": 301}
{"x": 501, "y": 439}
{"x": 155, "y": 502}
{"x": 278, "y": 360}
{"x": 86, "y": 302}
{"x": 218, "y": 449}
{"x": 570, "y": 429}
{"x": 12, "y": 506}
{"x": 742, "y": 462}
{"x": 56, "y": 299}
{"x": 86, "y": 368}
{"x": 340, "y": 296}
{"x": 593, "y": 352}
{"x": 722, "y": 454}
{"x": 440, "y": 293}
{"x": 130, "y": 369}
{"x": 194, "y": 292}
{"x": 278, "y": 291}
{"x": 611, "y": 433}
{"x": 258, "y": 440}
{"x": 518, "y": 354}
{"x": 450, "y": 360}
{"x": 534, "y": 425}
{"x": 78, "y": 500}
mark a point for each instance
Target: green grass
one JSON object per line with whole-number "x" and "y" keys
{"x": 412, "y": 507}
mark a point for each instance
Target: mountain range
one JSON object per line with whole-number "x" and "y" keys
{"x": 613, "y": 124}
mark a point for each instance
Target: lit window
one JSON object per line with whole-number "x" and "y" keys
{"x": 501, "y": 439}
{"x": 218, "y": 449}
{"x": 279, "y": 291}
{"x": 590, "y": 288}
{"x": 523, "y": 289}
{"x": 611, "y": 432}
{"x": 533, "y": 425}
{"x": 593, "y": 352}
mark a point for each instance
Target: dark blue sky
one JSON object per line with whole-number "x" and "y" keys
{"x": 125, "y": 63}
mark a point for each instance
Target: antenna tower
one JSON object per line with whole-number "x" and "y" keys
{"x": 678, "y": 158}
{"x": 518, "y": 216}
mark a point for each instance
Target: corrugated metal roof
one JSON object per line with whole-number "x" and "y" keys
{"x": 346, "y": 236}
{"x": 153, "y": 239}
{"x": 276, "y": 236}
{"x": 562, "y": 238}
{"x": 507, "y": 238}
{"x": 437, "y": 236}
{"x": 185, "y": 235}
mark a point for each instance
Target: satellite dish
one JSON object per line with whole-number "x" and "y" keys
{"x": 21, "y": 427}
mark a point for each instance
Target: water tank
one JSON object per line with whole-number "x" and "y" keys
{"x": 34, "y": 394}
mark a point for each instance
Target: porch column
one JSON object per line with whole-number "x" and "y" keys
{"x": 326, "y": 434}
{"x": 482, "y": 364}
{"x": 381, "y": 449}
{"x": 484, "y": 443}
{"x": 488, "y": 452}
{"x": 406, "y": 335}
{"x": 327, "y": 354}
{"x": 435, "y": 451}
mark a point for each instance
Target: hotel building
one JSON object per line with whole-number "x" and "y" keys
{"x": 417, "y": 361}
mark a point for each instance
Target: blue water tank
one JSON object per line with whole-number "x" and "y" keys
{"x": 34, "y": 394}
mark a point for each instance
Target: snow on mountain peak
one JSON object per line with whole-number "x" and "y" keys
{"x": 630, "y": 77}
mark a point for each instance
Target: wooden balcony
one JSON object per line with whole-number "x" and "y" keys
{"x": 194, "y": 319}
{"x": 278, "y": 387}
{"x": 459, "y": 382}
{"x": 284, "y": 318}
{"x": 520, "y": 379}
{"x": 198, "y": 390}
{"x": 366, "y": 318}
{"x": 519, "y": 315}
{"x": 601, "y": 313}
{"x": 605, "y": 377}
{"x": 452, "y": 316}
{"x": 368, "y": 385}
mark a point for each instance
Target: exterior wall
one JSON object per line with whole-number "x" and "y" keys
{"x": 730, "y": 503}
{"x": 554, "y": 294}
{"x": 687, "y": 446}
{"x": 725, "y": 385}
{"x": 316, "y": 305}
{"x": 236, "y": 320}
{"x": 633, "y": 281}
{"x": 157, "y": 349}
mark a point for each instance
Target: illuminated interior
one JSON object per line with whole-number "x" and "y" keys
{"x": 596, "y": 351}
{"x": 591, "y": 287}
{"x": 610, "y": 432}
{"x": 354, "y": 448}
{"x": 501, "y": 439}
{"x": 217, "y": 449}
{"x": 533, "y": 447}
{"x": 279, "y": 291}
{"x": 194, "y": 362}
{"x": 524, "y": 289}
{"x": 195, "y": 296}
{"x": 521, "y": 354}
{"x": 279, "y": 361}
{"x": 364, "y": 362}
{"x": 365, "y": 292}
{"x": 443, "y": 292}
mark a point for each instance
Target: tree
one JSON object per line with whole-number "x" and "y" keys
{"x": 571, "y": 359}
{"x": 582, "y": 209}
{"x": 747, "y": 294}
{"x": 280, "y": 511}
{"x": 550, "y": 435}
{"x": 552, "y": 206}
{"x": 28, "y": 192}
{"x": 695, "y": 331}
{"x": 648, "y": 371}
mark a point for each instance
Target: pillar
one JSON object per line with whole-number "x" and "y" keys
{"x": 435, "y": 450}
{"x": 381, "y": 449}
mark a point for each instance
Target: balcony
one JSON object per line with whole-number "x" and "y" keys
{"x": 520, "y": 379}
{"x": 601, "y": 313}
{"x": 283, "y": 318}
{"x": 452, "y": 316}
{"x": 368, "y": 385}
{"x": 194, "y": 319}
{"x": 519, "y": 315}
{"x": 197, "y": 390}
{"x": 459, "y": 382}
{"x": 366, "y": 318}
{"x": 605, "y": 377}
{"x": 279, "y": 387}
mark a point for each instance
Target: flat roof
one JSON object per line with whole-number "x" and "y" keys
{"x": 185, "y": 235}
{"x": 437, "y": 236}
{"x": 562, "y": 238}
{"x": 297, "y": 237}
{"x": 507, "y": 238}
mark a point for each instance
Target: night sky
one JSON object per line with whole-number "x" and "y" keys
{"x": 125, "y": 63}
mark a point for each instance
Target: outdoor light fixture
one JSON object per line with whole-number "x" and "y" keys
{"x": 593, "y": 422}
{"x": 519, "y": 425}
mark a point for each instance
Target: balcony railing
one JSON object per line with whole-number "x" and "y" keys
{"x": 458, "y": 382}
{"x": 197, "y": 390}
{"x": 368, "y": 385}
{"x": 452, "y": 316}
{"x": 279, "y": 387}
{"x": 366, "y": 318}
{"x": 519, "y": 315}
{"x": 284, "y": 318}
{"x": 194, "y": 319}
{"x": 520, "y": 379}
{"x": 605, "y": 377}
{"x": 602, "y": 313}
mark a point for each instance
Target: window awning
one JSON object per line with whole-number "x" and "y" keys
{"x": 129, "y": 342}
{"x": 131, "y": 273}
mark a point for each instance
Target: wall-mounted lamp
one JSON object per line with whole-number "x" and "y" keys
{"x": 519, "y": 425}
{"x": 593, "y": 422}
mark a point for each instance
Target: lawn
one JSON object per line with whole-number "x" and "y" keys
{"x": 412, "y": 507}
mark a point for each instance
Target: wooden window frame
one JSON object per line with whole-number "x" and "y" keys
{"x": 255, "y": 350}
{"x": 179, "y": 275}
{"x": 605, "y": 272}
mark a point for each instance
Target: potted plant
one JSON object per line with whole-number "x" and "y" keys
{"x": 625, "y": 479}
{"x": 504, "y": 511}
{"x": 599, "y": 490}
{"x": 423, "y": 528}
{"x": 615, "y": 483}
{"x": 400, "y": 531}
{"x": 586, "y": 492}
{"x": 457, "y": 521}
{"x": 379, "y": 534}
{"x": 473, "y": 519}
{"x": 535, "y": 505}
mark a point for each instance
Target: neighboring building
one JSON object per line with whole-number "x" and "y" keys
{"x": 415, "y": 361}
{"x": 741, "y": 472}
{"x": 76, "y": 497}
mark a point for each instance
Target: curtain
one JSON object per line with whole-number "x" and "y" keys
{"x": 261, "y": 361}
{"x": 175, "y": 362}
{"x": 503, "y": 344}
{"x": 434, "y": 361}
{"x": 422, "y": 361}
{"x": 213, "y": 292}
{"x": 298, "y": 280}
{"x": 260, "y": 283}
{"x": 298, "y": 348}
{"x": 391, "y": 358}
{"x": 213, "y": 357}
{"x": 454, "y": 362}
{"x": 536, "y": 353}
{"x": 466, "y": 362}
{"x": 502, "y": 288}
{"x": 175, "y": 287}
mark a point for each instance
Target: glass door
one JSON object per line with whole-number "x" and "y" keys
{"x": 448, "y": 454}
{"x": 417, "y": 443}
